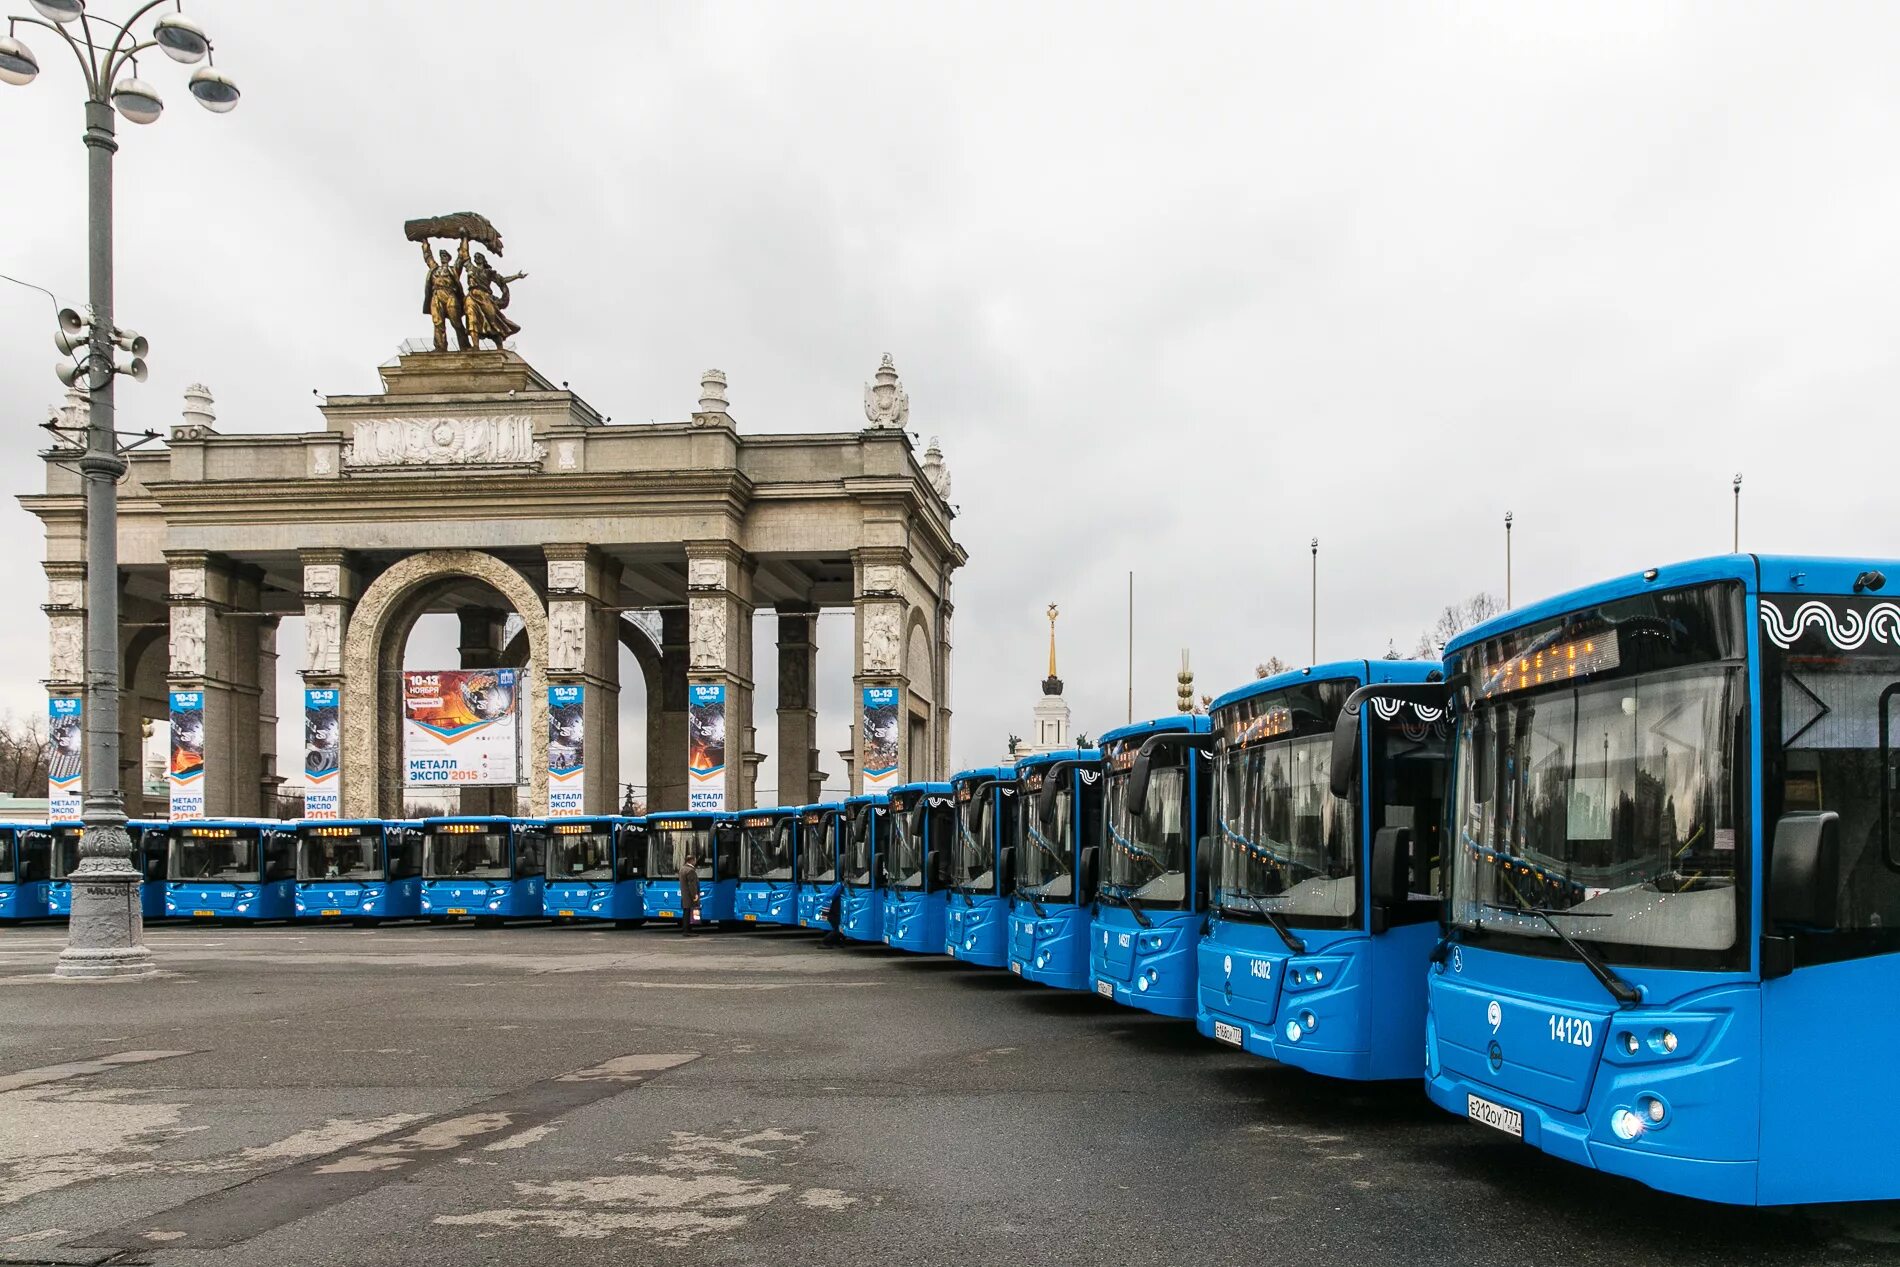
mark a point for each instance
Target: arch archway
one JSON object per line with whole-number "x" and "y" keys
{"x": 920, "y": 709}
{"x": 372, "y": 673}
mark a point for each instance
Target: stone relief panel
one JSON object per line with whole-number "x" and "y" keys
{"x": 567, "y": 576}
{"x": 882, "y": 578}
{"x": 705, "y": 574}
{"x": 64, "y": 591}
{"x": 567, "y": 637}
{"x": 322, "y": 580}
{"x": 188, "y": 642}
{"x": 323, "y": 639}
{"x": 882, "y": 625}
{"x": 707, "y": 640}
{"x": 67, "y": 650}
{"x": 188, "y": 582}
{"x": 386, "y": 442}
{"x": 567, "y": 455}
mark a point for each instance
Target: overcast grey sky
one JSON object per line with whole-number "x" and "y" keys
{"x": 1179, "y": 286}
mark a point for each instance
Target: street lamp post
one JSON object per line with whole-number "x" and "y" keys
{"x": 1737, "y": 546}
{"x": 106, "y": 934}
{"x": 1507, "y": 560}
{"x": 1315, "y": 608}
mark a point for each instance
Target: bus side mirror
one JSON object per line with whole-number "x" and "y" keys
{"x": 914, "y": 821}
{"x": 939, "y": 870}
{"x": 1390, "y": 872}
{"x": 1345, "y": 761}
{"x": 728, "y": 868}
{"x": 1203, "y": 865}
{"x": 1887, "y": 775}
{"x": 1088, "y": 873}
{"x": 1046, "y": 797}
{"x": 1805, "y": 874}
{"x": 1006, "y": 870}
{"x": 1135, "y": 795}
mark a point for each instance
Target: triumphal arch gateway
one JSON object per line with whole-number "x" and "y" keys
{"x": 472, "y": 484}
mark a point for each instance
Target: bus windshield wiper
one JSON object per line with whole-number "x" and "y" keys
{"x": 1274, "y": 919}
{"x": 1128, "y": 900}
{"x": 1622, "y": 991}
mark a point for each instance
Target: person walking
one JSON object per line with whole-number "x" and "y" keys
{"x": 689, "y": 893}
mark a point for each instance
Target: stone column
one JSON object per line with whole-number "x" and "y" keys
{"x": 942, "y": 702}
{"x": 666, "y": 750}
{"x": 799, "y": 782}
{"x": 331, "y": 584}
{"x": 880, "y": 721}
{"x": 719, "y": 616}
{"x": 584, "y": 651}
{"x": 268, "y": 779}
{"x": 65, "y": 683}
{"x": 214, "y": 646}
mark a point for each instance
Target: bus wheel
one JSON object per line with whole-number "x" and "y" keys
{"x": 488, "y": 921}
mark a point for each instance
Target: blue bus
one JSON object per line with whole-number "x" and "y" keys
{"x": 596, "y": 870}
{"x": 231, "y": 868}
{"x": 919, "y": 844}
{"x": 485, "y": 866}
{"x": 767, "y": 842}
{"x": 820, "y": 841}
{"x": 983, "y": 868}
{"x": 148, "y": 857}
{"x": 1673, "y": 900}
{"x": 1150, "y": 907}
{"x": 1059, "y": 825}
{"x": 364, "y": 870}
{"x": 670, "y": 838}
{"x": 1323, "y": 910}
{"x": 26, "y": 865}
{"x": 866, "y": 829}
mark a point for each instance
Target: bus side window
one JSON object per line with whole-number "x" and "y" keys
{"x": 152, "y": 846}
{"x": 280, "y": 856}
{"x": 530, "y": 850}
{"x": 405, "y": 854}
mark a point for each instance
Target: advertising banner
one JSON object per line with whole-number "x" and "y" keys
{"x": 706, "y": 746}
{"x": 185, "y": 774}
{"x": 65, "y": 757}
{"x": 567, "y": 749}
{"x": 877, "y": 738}
{"x": 459, "y": 728}
{"x": 322, "y": 753}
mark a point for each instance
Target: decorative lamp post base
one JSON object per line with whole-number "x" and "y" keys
{"x": 106, "y": 936}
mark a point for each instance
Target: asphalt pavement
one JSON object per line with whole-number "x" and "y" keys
{"x": 571, "y": 1095}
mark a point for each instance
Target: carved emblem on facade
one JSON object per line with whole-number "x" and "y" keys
{"x": 567, "y": 576}
{"x": 322, "y": 579}
{"x": 566, "y": 457}
{"x": 885, "y": 402}
{"x": 323, "y": 639}
{"x": 65, "y": 592}
{"x": 188, "y": 641}
{"x": 188, "y": 582}
{"x": 320, "y": 461}
{"x": 705, "y": 574}
{"x": 707, "y": 617}
{"x": 392, "y": 442}
{"x": 881, "y": 578}
{"x": 567, "y": 637}
{"x": 883, "y": 627}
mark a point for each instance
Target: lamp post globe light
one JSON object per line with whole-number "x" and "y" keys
{"x": 106, "y": 935}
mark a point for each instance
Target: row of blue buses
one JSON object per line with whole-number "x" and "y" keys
{"x": 1619, "y": 877}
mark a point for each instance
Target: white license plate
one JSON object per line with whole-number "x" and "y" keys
{"x": 1105, "y": 988}
{"x": 1229, "y": 1034}
{"x": 1016, "y": 968}
{"x": 1496, "y": 1116}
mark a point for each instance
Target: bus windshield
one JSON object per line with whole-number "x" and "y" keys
{"x": 976, "y": 844}
{"x": 905, "y": 851}
{"x": 66, "y": 851}
{"x": 476, "y": 850}
{"x": 1045, "y": 867}
{"x": 765, "y": 850}
{"x": 225, "y": 855}
{"x": 1287, "y": 843}
{"x": 1148, "y": 856}
{"x": 1606, "y": 796}
{"x": 860, "y": 847}
{"x": 818, "y": 860}
{"x": 340, "y": 853}
{"x": 581, "y": 852}
{"x": 671, "y": 841}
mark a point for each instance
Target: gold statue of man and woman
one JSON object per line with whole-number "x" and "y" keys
{"x": 477, "y": 312}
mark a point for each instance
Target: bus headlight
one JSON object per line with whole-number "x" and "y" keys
{"x": 1652, "y": 1108}
{"x": 1293, "y": 1031}
{"x": 1664, "y": 1041}
{"x": 1626, "y": 1125}
{"x": 1309, "y": 1022}
{"x": 1629, "y": 1042}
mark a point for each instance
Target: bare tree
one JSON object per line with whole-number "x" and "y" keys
{"x": 23, "y": 755}
{"x": 1453, "y": 621}
{"x": 1270, "y": 666}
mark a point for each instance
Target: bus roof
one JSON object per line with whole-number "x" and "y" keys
{"x": 301, "y": 823}
{"x": 867, "y": 798}
{"x": 998, "y": 772}
{"x": 691, "y": 815}
{"x": 1774, "y": 573}
{"x": 1192, "y": 723}
{"x": 228, "y": 822}
{"x": 776, "y": 811}
{"x": 819, "y": 806}
{"x": 1038, "y": 759}
{"x": 925, "y": 788}
{"x": 1358, "y": 672}
{"x": 440, "y": 819}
